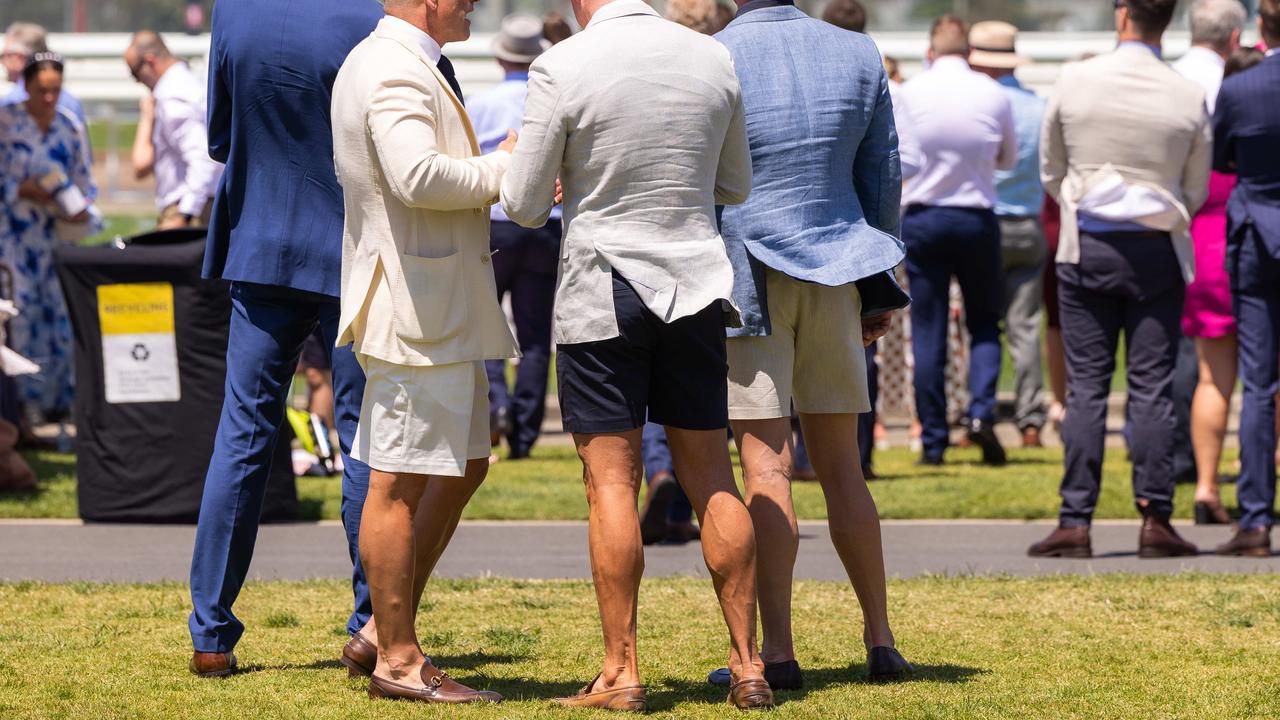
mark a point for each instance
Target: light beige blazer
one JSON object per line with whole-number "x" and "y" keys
{"x": 417, "y": 280}
{"x": 1127, "y": 113}
{"x": 642, "y": 121}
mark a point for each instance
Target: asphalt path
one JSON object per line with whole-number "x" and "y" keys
{"x": 58, "y": 551}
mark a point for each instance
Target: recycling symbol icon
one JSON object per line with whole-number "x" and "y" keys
{"x": 141, "y": 353}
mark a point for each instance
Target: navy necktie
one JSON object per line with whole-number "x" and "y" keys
{"x": 446, "y": 69}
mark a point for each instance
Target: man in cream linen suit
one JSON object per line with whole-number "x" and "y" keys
{"x": 1125, "y": 149}
{"x": 642, "y": 120}
{"x": 418, "y": 304}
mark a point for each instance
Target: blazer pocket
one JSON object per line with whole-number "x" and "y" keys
{"x": 426, "y": 306}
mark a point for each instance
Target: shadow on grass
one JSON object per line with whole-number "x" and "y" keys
{"x": 665, "y": 694}
{"x": 310, "y": 509}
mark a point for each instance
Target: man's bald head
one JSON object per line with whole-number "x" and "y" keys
{"x": 148, "y": 57}
{"x": 149, "y": 42}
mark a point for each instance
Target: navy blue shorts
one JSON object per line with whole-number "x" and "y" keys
{"x": 675, "y": 373}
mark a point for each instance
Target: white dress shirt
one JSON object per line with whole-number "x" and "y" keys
{"x": 962, "y": 122}
{"x": 908, "y": 152}
{"x": 1203, "y": 67}
{"x": 425, "y": 41}
{"x": 185, "y": 174}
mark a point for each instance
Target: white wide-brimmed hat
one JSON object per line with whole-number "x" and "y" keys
{"x": 991, "y": 44}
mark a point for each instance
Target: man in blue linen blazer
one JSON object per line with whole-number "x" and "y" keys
{"x": 1246, "y": 142}
{"x": 276, "y": 235}
{"x": 823, "y": 214}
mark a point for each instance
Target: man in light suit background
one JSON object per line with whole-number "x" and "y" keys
{"x": 642, "y": 121}
{"x": 420, "y": 308}
{"x": 275, "y": 234}
{"x": 823, "y": 215}
{"x": 1246, "y": 142}
{"x": 1125, "y": 150}
{"x": 963, "y": 124}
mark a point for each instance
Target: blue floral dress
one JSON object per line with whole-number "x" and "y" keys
{"x": 42, "y": 331}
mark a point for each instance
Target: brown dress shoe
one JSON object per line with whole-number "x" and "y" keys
{"x": 1064, "y": 542}
{"x": 1031, "y": 438}
{"x": 440, "y": 688}
{"x": 1158, "y": 539}
{"x": 1254, "y": 542}
{"x": 212, "y": 665}
{"x": 753, "y": 694}
{"x": 631, "y": 698}
{"x": 360, "y": 656}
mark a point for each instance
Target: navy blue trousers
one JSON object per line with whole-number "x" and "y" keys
{"x": 1255, "y": 292}
{"x": 941, "y": 243}
{"x": 656, "y": 455}
{"x": 268, "y": 327}
{"x": 1126, "y": 282}
{"x": 525, "y": 264}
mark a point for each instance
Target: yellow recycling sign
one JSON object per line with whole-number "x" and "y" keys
{"x": 139, "y": 348}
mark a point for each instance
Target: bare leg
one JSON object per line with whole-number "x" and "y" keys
{"x": 1210, "y": 407}
{"x": 765, "y": 449}
{"x": 853, "y": 520}
{"x": 702, "y": 463}
{"x": 611, "y": 472}
{"x": 387, "y": 552}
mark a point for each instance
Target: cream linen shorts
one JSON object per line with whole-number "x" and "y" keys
{"x": 423, "y": 420}
{"x": 813, "y": 356}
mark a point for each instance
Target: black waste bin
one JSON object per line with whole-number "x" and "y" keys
{"x": 150, "y": 357}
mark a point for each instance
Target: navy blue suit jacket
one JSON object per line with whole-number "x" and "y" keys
{"x": 277, "y": 215}
{"x": 1246, "y": 141}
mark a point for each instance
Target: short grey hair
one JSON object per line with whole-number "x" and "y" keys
{"x": 1213, "y": 21}
{"x": 25, "y": 38}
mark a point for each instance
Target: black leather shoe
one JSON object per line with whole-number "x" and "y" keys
{"x": 929, "y": 461}
{"x": 784, "y": 675}
{"x": 982, "y": 433}
{"x": 886, "y": 664}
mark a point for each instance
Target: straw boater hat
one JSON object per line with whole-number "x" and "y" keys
{"x": 991, "y": 44}
{"x": 520, "y": 39}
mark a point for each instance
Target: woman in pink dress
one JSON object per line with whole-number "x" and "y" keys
{"x": 1207, "y": 317}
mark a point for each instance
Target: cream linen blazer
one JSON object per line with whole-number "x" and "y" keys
{"x": 417, "y": 281}
{"x": 1130, "y": 115}
{"x": 642, "y": 120}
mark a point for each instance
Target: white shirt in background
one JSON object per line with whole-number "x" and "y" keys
{"x": 962, "y": 123}
{"x": 185, "y": 174}
{"x": 1203, "y": 67}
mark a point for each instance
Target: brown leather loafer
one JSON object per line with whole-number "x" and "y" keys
{"x": 1065, "y": 542}
{"x": 753, "y": 694}
{"x": 1158, "y": 539}
{"x": 212, "y": 665}
{"x": 1254, "y": 542}
{"x": 360, "y": 656}
{"x": 626, "y": 699}
{"x": 440, "y": 688}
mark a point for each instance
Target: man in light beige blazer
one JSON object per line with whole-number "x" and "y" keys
{"x": 642, "y": 120}
{"x": 1125, "y": 149}
{"x": 418, "y": 304}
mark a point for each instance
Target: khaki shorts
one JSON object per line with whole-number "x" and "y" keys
{"x": 422, "y": 420}
{"x": 813, "y": 356}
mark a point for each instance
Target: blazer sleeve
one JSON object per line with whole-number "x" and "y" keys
{"x": 1195, "y": 175}
{"x": 1224, "y": 143}
{"x": 877, "y": 166}
{"x": 529, "y": 189}
{"x": 219, "y": 103}
{"x": 733, "y": 173}
{"x": 1053, "y": 148}
{"x": 403, "y": 129}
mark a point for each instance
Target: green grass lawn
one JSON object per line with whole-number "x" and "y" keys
{"x": 1114, "y": 646}
{"x": 549, "y": 487}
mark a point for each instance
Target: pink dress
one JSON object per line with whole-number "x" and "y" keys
{"x": 1207, "y": 312}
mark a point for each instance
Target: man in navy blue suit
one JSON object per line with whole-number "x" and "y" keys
{"x": 1246, "y": 142}
{"x": 276, "y": 236}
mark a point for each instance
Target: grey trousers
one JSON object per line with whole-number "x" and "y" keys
{"x": 1023, "y": 251}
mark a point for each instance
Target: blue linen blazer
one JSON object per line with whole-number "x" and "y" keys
{"x": 277, "y": 214}
{"x": 827, "y": 181}
{"x": 1246, "y": 142}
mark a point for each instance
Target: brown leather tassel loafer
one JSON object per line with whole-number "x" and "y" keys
{"x": 360, "y": 656}
{"x": 440, "y": 688}
{"x": 626, "y": 699}
{"x": 212, "y": 665}
{"x": 753, "y": 694}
